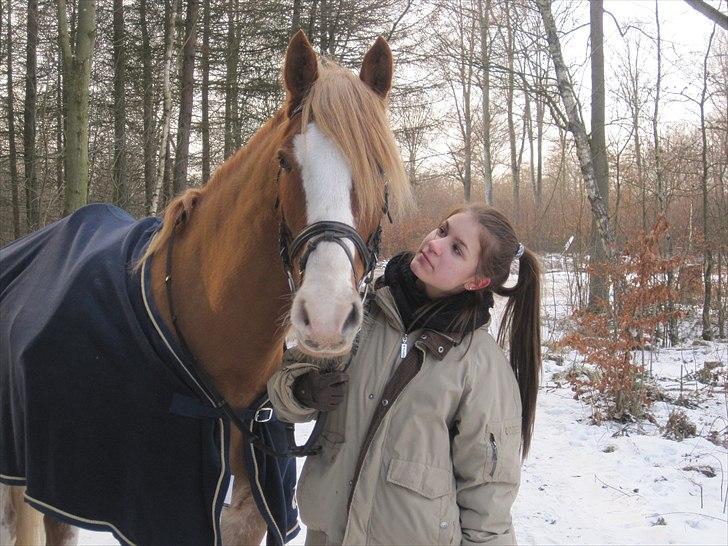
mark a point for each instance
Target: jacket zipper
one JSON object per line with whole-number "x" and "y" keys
{"x": 494, "y": 448}
{"x": 403, "y": 347}
{"x": 392, "y": 390}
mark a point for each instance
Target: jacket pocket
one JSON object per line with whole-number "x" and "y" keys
{"x": 428, "y": 481}
{"x": 411, "y": 505}
{"x": 503, "y": 448}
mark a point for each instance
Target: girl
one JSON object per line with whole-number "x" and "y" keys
{"x": 424, "y": 445}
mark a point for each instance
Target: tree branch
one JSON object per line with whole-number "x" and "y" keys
{"x": 710, "y": 12}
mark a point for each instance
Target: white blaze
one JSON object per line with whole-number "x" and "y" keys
{"x": 327, "y": 289}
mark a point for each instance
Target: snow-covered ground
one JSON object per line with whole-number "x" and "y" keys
{"x": 614, "y": 483}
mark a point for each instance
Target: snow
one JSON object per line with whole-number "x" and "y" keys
{"x": 614, "y": 483}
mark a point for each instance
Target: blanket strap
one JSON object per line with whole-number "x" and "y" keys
{"x": 220, "y": 406}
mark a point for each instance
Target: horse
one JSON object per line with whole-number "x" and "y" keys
{"x": 230, "y": 282}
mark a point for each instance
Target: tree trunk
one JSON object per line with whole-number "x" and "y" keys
{"x": 719, "y": 295}
{"x": 163, "y": 163}
{"x": 598, "y": 284}
{"x": 311, "y": 31}
{"x": 76, "y": 86}
{"x": 540, "y": 108}
{"x": 148, "y": 109}
{"x": 296, "y": 17}
{"x": 662, "y": 197}
{"x": 466, "y": 81}
{"x": 32, "y": 194}
{"x": 707, "y": 332}
{"x": 484, "y": 12}
{"x": 710, "y": 12}
{"x": 187, "y": 77}
{"x": 14, "y": 183}
{"x": 661, "y": 200}
{"x": 510, "y": 90}
{"x": 324, "y": 28}
{"x": 231, "y": 79}
{"x": 205, "y": 90}
{"x": 576, "y": 127}
{"x": 528, "y": 120}
{"x": 119, "y": 175}
{"x": 60, "y": 124}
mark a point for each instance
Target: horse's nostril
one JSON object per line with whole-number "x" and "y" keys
{"x": 304, "y": 315}
{"x": 352, "y": 321}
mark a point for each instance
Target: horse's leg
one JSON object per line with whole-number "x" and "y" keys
{"x": 241, "y": 522}
{"x": 17, "y": 519}
{"x": 7, "y": 516}
{"x": 59, "y": 533}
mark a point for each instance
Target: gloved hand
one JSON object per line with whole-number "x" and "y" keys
{"x": 321, "y": 391}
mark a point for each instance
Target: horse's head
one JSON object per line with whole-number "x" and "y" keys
{"x": 337, "y": 161}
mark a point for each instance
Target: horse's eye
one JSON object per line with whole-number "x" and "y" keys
{"x": 283, "y": 162}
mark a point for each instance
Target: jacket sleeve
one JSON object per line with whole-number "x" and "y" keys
{"x": 280, "y": 391}
{"x": 486, "y": 453}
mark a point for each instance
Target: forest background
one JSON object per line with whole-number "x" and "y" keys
{"x": 585, "y": 122}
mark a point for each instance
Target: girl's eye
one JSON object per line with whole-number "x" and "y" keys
{"x": 441, "y": 230}
{"x": 456, "y": 250}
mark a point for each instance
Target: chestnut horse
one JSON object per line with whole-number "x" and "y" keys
{"x": 329, "y": 156}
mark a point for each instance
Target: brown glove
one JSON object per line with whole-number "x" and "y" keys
{"x": 321, "y": 391}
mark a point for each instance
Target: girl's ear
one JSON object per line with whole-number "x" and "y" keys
{"x": 477, "y": 284}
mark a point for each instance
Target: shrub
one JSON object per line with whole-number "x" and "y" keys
{"x": 679, "y": 426}
{"x": 609, "y": 338}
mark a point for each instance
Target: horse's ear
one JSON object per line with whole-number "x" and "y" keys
{"x": 377, "y": 68}
{"x": 300, "y": 70}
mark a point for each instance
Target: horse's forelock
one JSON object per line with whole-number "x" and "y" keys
{"x": 355, "y": 118}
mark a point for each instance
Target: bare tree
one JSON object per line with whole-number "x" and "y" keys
{"x": 171, "y": 12}
{"x": 457, "y": 42}
{"x": 76, "y": 87}
{"x": 187, "y": 77}
{"x": 148, "y": 116}
{"x": 707, "y": 332}
{"x": 576, "y": 127}
{"x": 120, "y": 195}
{"x": 32, "y": 192}
{"x": 510, "y": 91}
{"x": 486, "y": 44}
{"x": 413, "y": 116}
{"x": 231, "y": 78}
{"x": 14, "y": 183}
{"x": 631, "y": 90}
{"x": 710, "y": 12}
{"x": 598, "y": 286}
{"x": 205, "y": 129}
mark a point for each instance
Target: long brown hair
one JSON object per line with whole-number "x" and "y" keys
{"x": 521, "y": 323}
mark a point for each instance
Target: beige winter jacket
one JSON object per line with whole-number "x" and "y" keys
{"x": 423, "y": 450}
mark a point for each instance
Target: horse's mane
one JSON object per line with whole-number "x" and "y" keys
{"x": 355, "y": 118}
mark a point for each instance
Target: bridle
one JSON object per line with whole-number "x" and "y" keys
{"x": 332, "y": 232}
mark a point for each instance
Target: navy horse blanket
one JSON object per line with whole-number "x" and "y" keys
{"x": 89, "y": 376}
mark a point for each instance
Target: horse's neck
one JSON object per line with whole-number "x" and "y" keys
{"x": 229, "y": 290}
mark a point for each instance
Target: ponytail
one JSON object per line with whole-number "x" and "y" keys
{"x": 521, "y": 324}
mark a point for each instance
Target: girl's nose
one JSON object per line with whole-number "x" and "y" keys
{"x": 435, "y": 246}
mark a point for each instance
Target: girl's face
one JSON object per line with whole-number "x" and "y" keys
{"x": 447, "y": 259}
